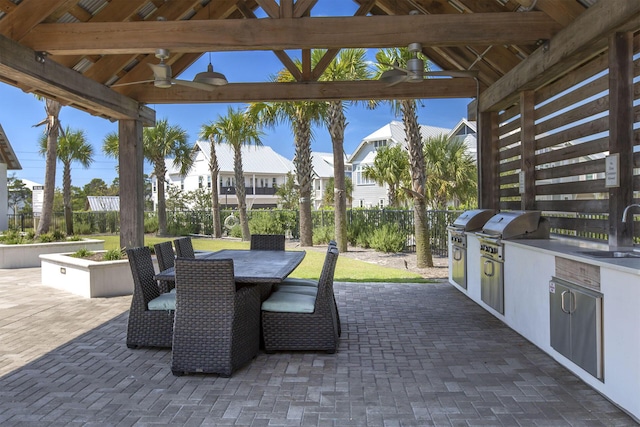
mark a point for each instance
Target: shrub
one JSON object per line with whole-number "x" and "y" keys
{"x": 82, "y": 253}
{"x": 387, "y": 239}
{"x": 113, "y": 255}
{"x": 151, "y": 224}
{"x": 322, "y": 235}
{"x": 236, "y": 231}
{"x": 58, "y": 235}
{"x": 46, "y": 238}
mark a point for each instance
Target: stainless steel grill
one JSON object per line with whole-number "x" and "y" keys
{"x": 504, "y": 226}
{"x": 468, "y": 221}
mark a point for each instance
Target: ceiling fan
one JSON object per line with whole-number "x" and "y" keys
{"x": 415, "y": 70}
{"x": 162, "y": 77}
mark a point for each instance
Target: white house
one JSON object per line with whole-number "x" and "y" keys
{"x": 366, "y": 193}
{"x": 323, "y": 171}
{"x": 8, "y": 161}
{"x": 264, "y": 170}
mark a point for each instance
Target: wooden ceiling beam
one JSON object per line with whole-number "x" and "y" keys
{"x": 50, "y": 79}
{"x": 303, "y": 7}
{"x": 26, "y": 16}
{"x": 320, "y": 91}
{"x": 576, "y": 44}
{"x": 282, "y": 34}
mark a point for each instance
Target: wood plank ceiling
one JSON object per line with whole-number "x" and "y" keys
{"x": 74, "y": 50}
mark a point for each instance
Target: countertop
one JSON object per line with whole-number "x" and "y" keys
{"x": 573, "y": 248}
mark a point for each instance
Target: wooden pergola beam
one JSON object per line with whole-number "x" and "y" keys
{"x": 320, "y": 91}
{"x": 283, "y": 34}
{"x": 576, "y": 44}
{"x": 25, "y": 68}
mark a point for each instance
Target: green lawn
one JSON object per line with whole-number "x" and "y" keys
{"x": 347, "y": 270}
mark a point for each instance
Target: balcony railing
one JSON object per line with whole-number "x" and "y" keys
{"x": 269, "y": 191}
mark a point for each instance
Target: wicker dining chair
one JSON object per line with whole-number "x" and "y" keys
{"x": 296, "y": 321}
{"x": 166, "y": 259}
{"x": 148, "y": 327}
{"x": 292, "y": 284}
{"x": 217, "y": 328}
{"x": 184, "y": 247}
{"x": 267, "y": 242}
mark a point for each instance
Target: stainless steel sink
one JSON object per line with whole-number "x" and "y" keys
{"x": 611, "y": 254}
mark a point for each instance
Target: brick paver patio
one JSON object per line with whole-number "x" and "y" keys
{"x": 410, "y": 355}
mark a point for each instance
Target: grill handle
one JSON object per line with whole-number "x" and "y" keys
{"x": 457, "y": 253}
{"x": 493, "y": 271}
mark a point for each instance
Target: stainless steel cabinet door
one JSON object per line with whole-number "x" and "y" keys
{"x": 585, "y": 332}
{"x": 459, "y": 266}
{"x": 576, "y": 325}
{"x": 491, "y": 283}
{"x": 559, "y": 303}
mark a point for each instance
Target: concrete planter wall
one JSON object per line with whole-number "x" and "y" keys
{"x": 22, "y": 256}
{"x": 87, "y": 278}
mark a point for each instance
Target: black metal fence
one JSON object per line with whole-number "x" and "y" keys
{"x": 270, "y": 221}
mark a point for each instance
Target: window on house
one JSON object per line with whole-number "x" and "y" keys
{"x": 381, "y": 203}
{"x": 200, "y": 181}
{"x": 360, "y": 178}
{"x": 380, "y": 143}
{"x": 182, "y": 184}
{"x": 209, "y": 181}
{"x": 274, "y": 183}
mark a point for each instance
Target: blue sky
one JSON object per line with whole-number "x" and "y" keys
{"x": 19, "y": 111}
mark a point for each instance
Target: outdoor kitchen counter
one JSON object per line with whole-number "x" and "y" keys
{"x": 529, "y": 266}
{"x": 572, "y": 248}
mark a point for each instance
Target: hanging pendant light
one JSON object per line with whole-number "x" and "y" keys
{"x": 211, "y": 77}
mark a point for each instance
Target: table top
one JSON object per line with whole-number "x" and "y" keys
{"x": 252, "y": 266}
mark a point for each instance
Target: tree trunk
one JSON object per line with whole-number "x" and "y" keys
{"x": 418, "y": 181}
{"x": 240, "y": 192}
{"x": 52, "y": 109}
{"x": 66, "y": 197}
{"x": 337, "y": 123}
{"x": 160, "y": 172}
{"x": 304, "y": 168}
{"x": 214, "y": 169}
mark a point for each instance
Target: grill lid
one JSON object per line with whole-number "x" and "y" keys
{"x": 513, "y": 224}
{"x": 472, "y": 220}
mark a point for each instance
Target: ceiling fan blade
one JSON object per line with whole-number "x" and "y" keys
{"x": 195, "y": 85}
{"x": 453, "y": 73}
{"x": 132, "y": 83}
{"x": 161, "y": 71}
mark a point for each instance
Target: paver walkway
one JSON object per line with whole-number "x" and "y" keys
{"x": 410, "y": 355}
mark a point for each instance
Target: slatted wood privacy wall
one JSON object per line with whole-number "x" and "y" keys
{"x": 569, "y": 122}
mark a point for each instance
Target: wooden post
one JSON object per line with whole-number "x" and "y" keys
{"x": 528, "y": 149}
{"x": 621, "y": 135}
{"x": 488, "y": 161}
{"x": 131, "y": 162}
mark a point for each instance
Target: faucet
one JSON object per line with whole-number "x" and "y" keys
{"x": 626, "y": 210}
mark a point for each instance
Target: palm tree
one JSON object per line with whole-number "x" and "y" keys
{"x": 211, "y": 132}
{"x": 158, "y": 143}
{"x": 451, "y": 171}
{"x": 52, "y": 130}
{"x": 72, "y": 147}
{"x": 302, "y": 115}
{"x": 390, "y": 168}
{"x": 349, "y": 65}
{"x": 237, "y": 128}
{"x": 416, "y": 158}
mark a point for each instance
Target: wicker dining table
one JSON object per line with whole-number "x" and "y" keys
{"x": 251, "y": 266}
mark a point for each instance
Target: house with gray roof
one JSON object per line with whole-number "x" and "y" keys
{"x": 8, "y": 161}
{"x": 264, "y": 170}
{"x": 366, "y": 192}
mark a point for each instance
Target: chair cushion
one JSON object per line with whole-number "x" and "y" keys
{"x": 289, "y": 302}
{"x": 165, "y": 301}
{"x": 299, "y": 282}
{"x": 298, "y": 289}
